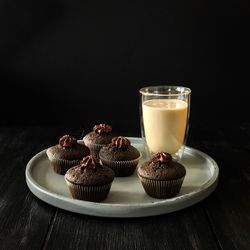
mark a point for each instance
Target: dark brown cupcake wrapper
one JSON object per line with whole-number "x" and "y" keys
{"x": 161, "y": 189}
{"x": 95, "y": 149}
{"x": 89, "y": 144}
{"x": 89, "y": 193}
{"x": 61, "y": 166}
{"x": 121, "y": 168}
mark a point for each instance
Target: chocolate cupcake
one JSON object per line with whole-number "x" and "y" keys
{"x": 100, "y": 136}
{"x": 161, "y": 177}
{"x": 89, "y": 180}
{"x": 121, "y": 156}
{"x": 66, "y": 154}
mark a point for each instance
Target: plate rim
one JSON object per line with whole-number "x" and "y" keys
{"x": 203, "y": 191}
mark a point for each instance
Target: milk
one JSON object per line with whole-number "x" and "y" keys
{"x": 165, "y": 122}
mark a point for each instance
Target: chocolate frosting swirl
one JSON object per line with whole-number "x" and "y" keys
{"x": 120, "y": 142}
{"x": 102, "y": 129}
{"x": 67, "y": 141}
{"x": 88, "y": 162}
{"x": 161, "y": 158}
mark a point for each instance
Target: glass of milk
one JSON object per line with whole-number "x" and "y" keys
{"x": 164, "y": 113}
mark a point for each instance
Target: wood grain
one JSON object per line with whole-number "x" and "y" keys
{"x": 187, "y": 229}
{"x": 24, "y": 219}
{"x": 228, "y": 207}
{"x": 222, "y": 221}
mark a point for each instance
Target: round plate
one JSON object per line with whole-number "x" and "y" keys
{"x": 127, "y": 197}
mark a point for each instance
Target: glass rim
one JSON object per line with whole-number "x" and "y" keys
{"x": 148, "y": 90}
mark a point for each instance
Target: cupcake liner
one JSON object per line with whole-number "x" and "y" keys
{"x": 61, "y": 166}
{"x": 94, "y": 149}
{"x": 161, "y": 189}
{"x": 88, "y": 193}
{"x": 121, "y": 168}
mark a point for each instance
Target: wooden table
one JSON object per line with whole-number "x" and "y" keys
{"x": 221, "y": 221}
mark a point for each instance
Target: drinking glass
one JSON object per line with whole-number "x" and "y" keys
{"x": 164, "y": 116}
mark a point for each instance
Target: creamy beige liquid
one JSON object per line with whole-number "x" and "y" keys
{"x": 164, "y": 124}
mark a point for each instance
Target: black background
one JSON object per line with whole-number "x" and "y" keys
{"x": 81, "y": 63}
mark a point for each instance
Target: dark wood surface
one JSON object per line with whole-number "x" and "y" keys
{"x": 221, "y": 221}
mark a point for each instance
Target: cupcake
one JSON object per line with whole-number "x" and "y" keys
{"x": 161, "y": 177}
{"x": 121, "y": 156}
{"x": 89, "y": 180}
{"x": 99, "y": 137}
{"x": 66, "y": 154}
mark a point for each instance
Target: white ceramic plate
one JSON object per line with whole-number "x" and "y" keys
{"x": 127, "y": 197}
